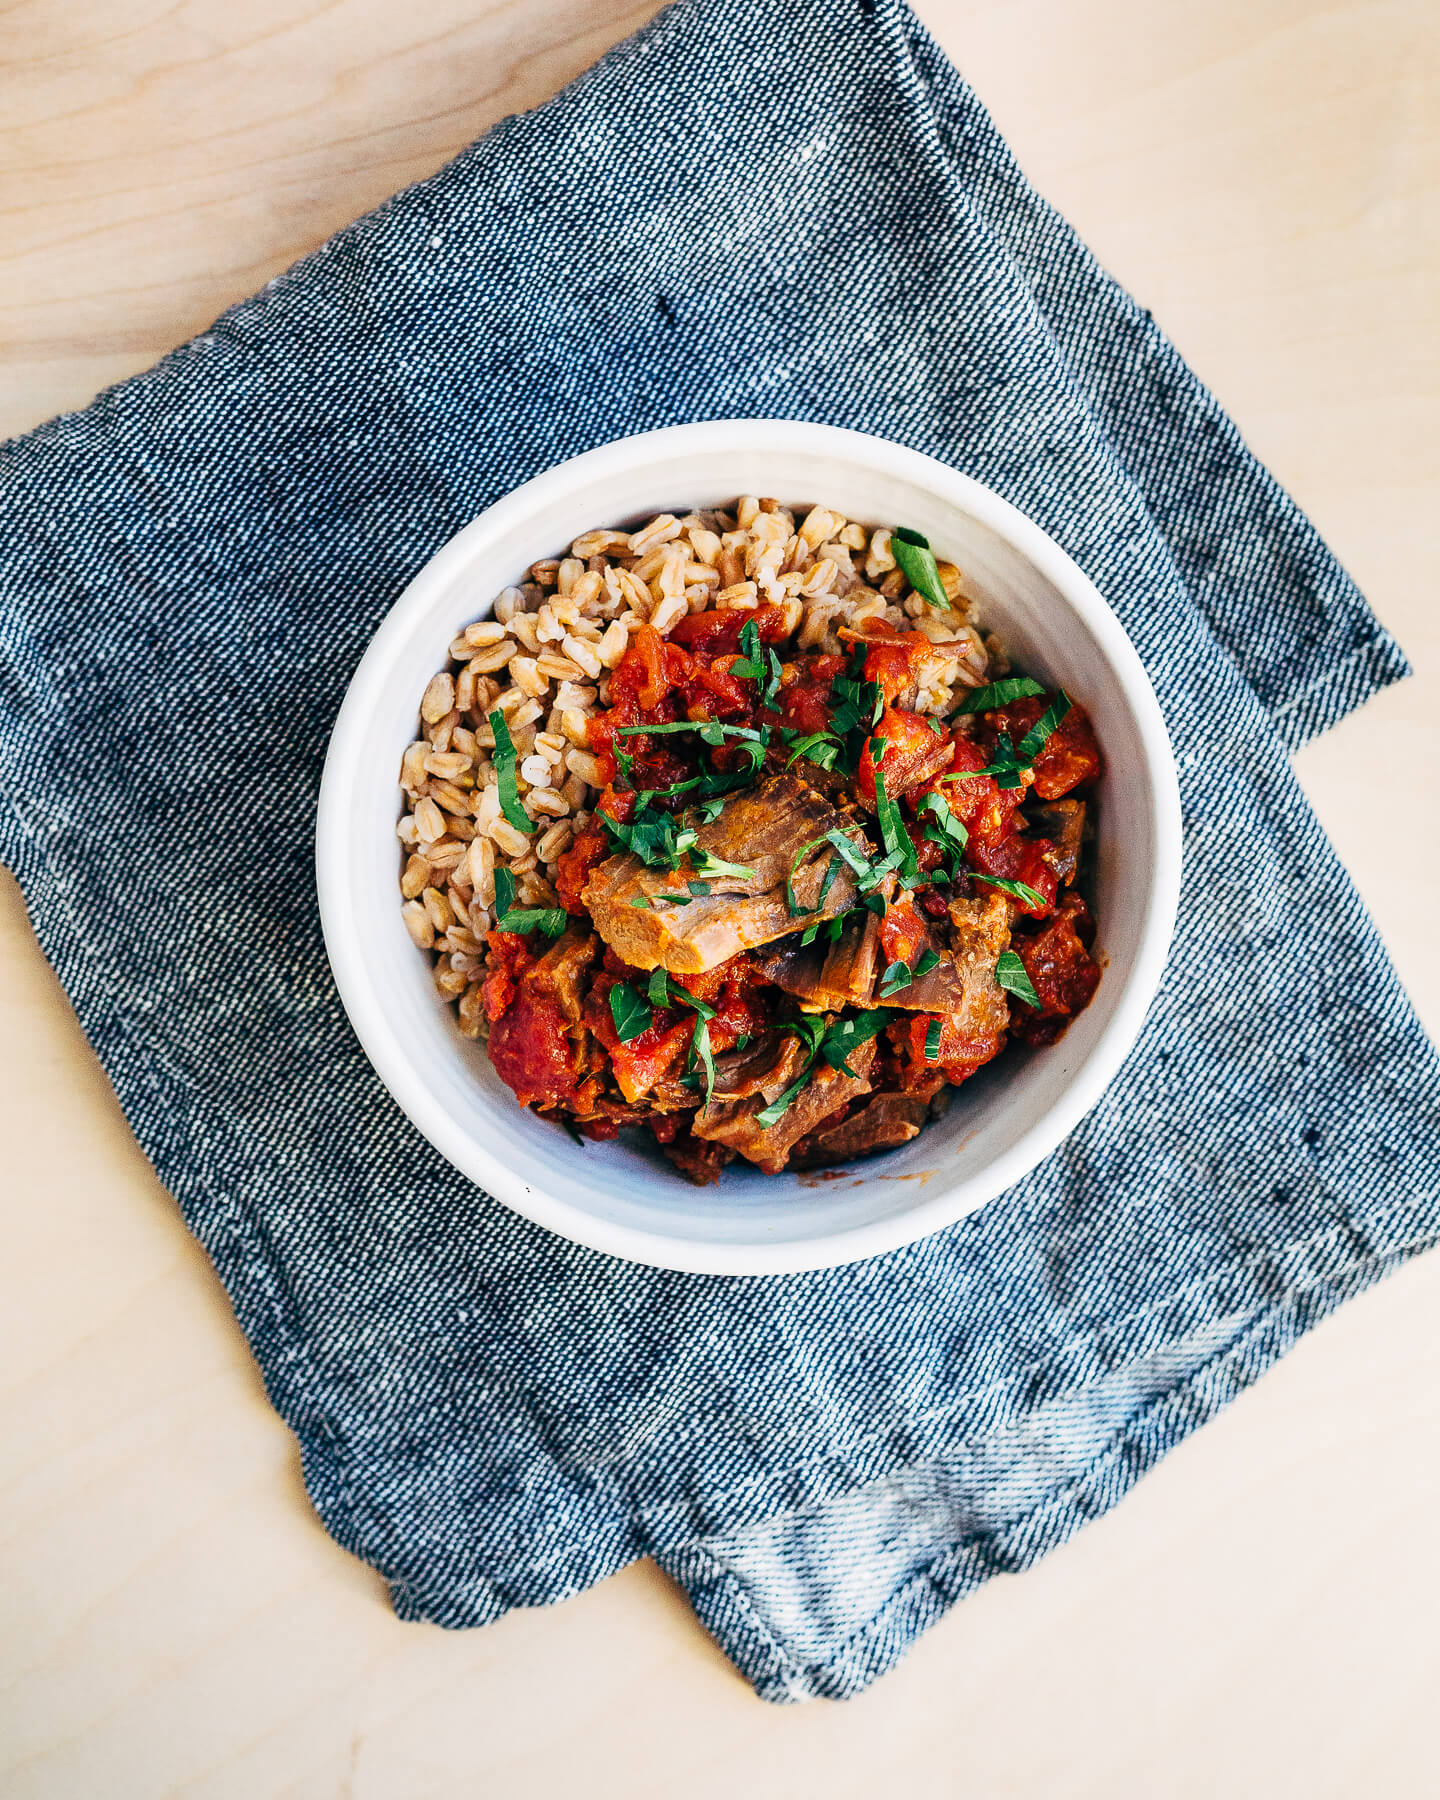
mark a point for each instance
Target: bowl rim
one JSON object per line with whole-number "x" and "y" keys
{"x": 933, "y": 1210}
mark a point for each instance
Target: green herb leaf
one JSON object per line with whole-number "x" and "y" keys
{"x": 792, "y": 899}
{"x": 896, "y": 976}
{"x": 900, "y": 975}
{"x": 1010, "y": 973}
{"x": 524, "y": 920}
{"x": 860, "y": 704}
{"x": 646, "y": 795}
{"x": 701, "y": 1051}
{"x": 777, "y": 1109}
{"x": 897, "y": 839}
{"x": 505, "y": 765}
{"x": 847, "y": 1035}
{"x": 686, "y": 998}
{"x": 1000, "y": 693}
{"x": 629, "y": 1012}
{"x": 655, "y": 992}
{"x": 859, "y": 864}
{"x": 1033, "y": 741}
{"x": 932, "y": 1040}
{"x": 809, "y": 1029}
{"x": 712, "y": 730}
{"x": 551, "y": 920}
{"x": 917, "y": 561}
{"x": 1007, "y": 769}
{"x": 938, "y": 806}
{"x": 943, "y": 829}
{"x": 1018, "y": 890}
{"x": 716, "y": 867}
{"x": 752, "y": 668}
{"x": 820, "y": 747}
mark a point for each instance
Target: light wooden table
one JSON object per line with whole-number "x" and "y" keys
{"x": 1258, "y": 1618}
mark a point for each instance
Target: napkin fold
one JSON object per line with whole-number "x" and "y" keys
{"x": 794, "y": 208}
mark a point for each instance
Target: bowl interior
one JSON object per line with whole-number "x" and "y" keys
{"x": 629, "y": 1200}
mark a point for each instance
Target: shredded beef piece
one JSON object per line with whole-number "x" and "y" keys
{"x": 884, "y": 1121}
{"x": 764, "y": 829}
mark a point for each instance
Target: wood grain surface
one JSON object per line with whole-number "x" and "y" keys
{"x": 1257, "y": 1618}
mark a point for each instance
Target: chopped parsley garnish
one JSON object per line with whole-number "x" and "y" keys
{"x": 900, "y": 975}
{"x": 716, "y": 867}
{"x": 860, "y": 702}
{"x": 758, "y": 664}
{"x": 1010, "y": 973}
{"x": 656, "y": 839}
{"x": 820, "y": 747}
{"x": 646, "y": 795}
{"x": 712, "y": 731}
{"x": 916, "y": 560}
{"x": 777, "y": 1109}
{"x": 897, "y": 975}
{"x": 847, "y": 1035}
{"x": 505, "y": 764}
{"x": 662, "y": 990}
{"x": 661, "y": 843}
{"x": 932, "y": 1041}
{"x": 944, "y": 829}
{"x": 629, "y": 1012}
{"x": 792, "y": 899}
{"x": 868, "y": 875}
{"x": 525, "y": 919}
{"x": 1018, "y": 890}
{"x": 701, "y": 1053}
{"x": 1034, "y": 739}
{"x": 1000, "y": 693}
{"x": 1009, "y": 762}
{"x": 898, "y": 842}
{"x": 833, "y": 1044}
{"x": 1007, "y": 769}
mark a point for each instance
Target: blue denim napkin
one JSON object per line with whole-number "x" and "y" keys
{"x": 790, "y": 208}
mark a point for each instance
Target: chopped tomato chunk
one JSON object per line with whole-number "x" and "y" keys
{"x": 1018, "y": 859}
{"x": 805, "y": 708}
{"x": 642, "y": 1064}
{"x": 719, "y": 632}
{"x": 509, "y": 959}
{"x": 912, "y": 753}
{"x": 573, "y": 869}
{"x": 898, "y": 663}
{"x": 1070, "y": 757}
{"x": 1061, "y": 970}
{"x": 958, "y": 1054}
{"x": 532, "y": 1050}
{"x": 982, "y": 807}
{"x": 903, "y": 933}
{"x": 641, "y": 672}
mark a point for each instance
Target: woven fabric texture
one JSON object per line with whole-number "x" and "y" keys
{"x": 791, "y": 208}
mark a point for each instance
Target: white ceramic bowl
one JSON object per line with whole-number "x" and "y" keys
{"x": 618, "y": 1199}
